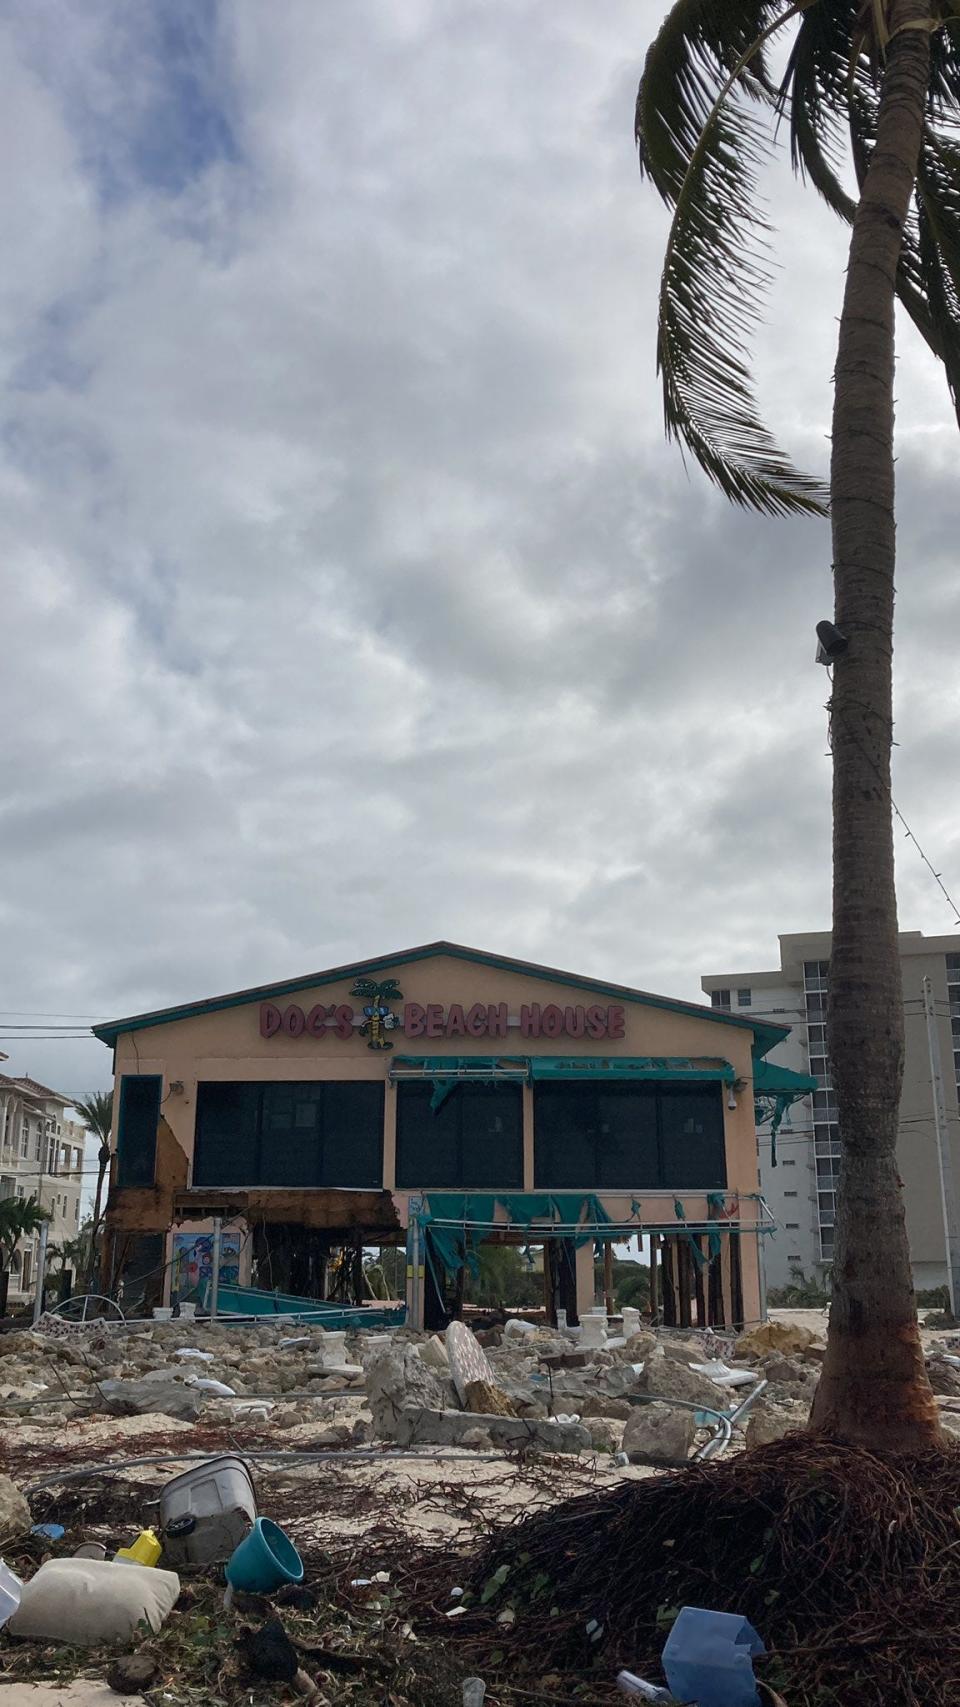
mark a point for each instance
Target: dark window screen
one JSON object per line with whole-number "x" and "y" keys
{"x": 627, "y": 1149}
{"x": 137, "y": 1128}
{"x": 627, "y": 1137}
{"x": 227, "y": 1135}
{"x": 474, "y": 1139}
{"x": 298, "y": 1134}
{"x": 691, "y": 1128}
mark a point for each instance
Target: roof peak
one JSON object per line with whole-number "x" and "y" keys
{"x": 109, "y": 1030}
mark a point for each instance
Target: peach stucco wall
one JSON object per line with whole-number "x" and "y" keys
{"x": 228, "y": 1045}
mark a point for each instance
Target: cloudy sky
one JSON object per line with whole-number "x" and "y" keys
{"x": 350, "y": 595}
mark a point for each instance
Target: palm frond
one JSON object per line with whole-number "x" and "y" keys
{"x": 694, "y": 121}
{"x": 814, "y": 89}
{"x": 699, "y": 45}
{"x": 96, "y": 1109}
{"x": 938, "y": 249}
{"x": 943, "y": 96}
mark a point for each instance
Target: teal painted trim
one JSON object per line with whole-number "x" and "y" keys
{"x": 765, "y": 1036}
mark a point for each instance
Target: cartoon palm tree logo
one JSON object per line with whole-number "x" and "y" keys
{"x": 378, "y": 1016}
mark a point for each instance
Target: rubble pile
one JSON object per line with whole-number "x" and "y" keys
{"x": 520, "y": 1386}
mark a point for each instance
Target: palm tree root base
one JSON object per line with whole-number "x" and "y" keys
{"x": 846, "y": 1561}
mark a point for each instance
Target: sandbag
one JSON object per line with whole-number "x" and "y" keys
{"x": 84, "y": 1601}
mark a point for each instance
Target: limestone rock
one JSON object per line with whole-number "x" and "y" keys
{"x": 143, "y": 1398}
{"x": 398, "y": 1379}
{"x": 600, "y": 1405}
{"x": 434, "y": 1354}
{"x": 683, "y": 1351}
{"x": 659, "y": 1432}
{"x": 638, "y": 1347}
{"x": 15, "y": 1516}
{"x": 605, "y": 1432}
{"x": 478, "y": 1438}
{"x": 484, "y": 1399}
{"x": 786, "y": 1337}
{"x": 788, "y": 1371}
{"x": 669, "y": 1378}
{"x": 416, "y": 1426}
{"x": 943, "y": 1377}
{"x": 771, "y": 1422}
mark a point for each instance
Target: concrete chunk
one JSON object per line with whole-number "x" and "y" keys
{"x": 416, "y": 1426}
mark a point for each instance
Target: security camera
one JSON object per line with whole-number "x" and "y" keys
{"x": 830, "y": 643}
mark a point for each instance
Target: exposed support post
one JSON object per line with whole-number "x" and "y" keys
{"x": 41, "y": 1271}
{"x": 948, "y": 1195}
{"x": 414, "y": 1265}
{"x": 655, "y": 1278}
{"x": 608, "y": 1275}
{"x": 215, "y": 1266}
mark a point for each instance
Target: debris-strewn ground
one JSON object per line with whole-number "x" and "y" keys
{"x": 847, "y": 1566}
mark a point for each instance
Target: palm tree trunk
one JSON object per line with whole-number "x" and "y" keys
{"x": 873, "y": 1387}
{"x": 93, "y": 1263}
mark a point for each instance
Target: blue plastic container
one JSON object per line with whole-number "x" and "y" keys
{"x": 264, "y": 1560}
{"x": 708, "y": 1658}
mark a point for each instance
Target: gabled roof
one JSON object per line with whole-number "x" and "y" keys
{"x": 31, "y": 1088}
{"x": 765, "y": 1035}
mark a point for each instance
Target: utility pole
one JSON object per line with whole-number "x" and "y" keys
{"x": 951, "y": 1227}
{"x": 41, "y": 1272}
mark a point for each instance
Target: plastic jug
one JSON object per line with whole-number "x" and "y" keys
{"x": 708, "y": 1658}
{"x": 206, "y": 1512}
{"x": 145, "y": 1550}
{"x": 10, "y": 1590}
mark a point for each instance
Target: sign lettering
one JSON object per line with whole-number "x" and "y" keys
{"x": 433, "y": 1020}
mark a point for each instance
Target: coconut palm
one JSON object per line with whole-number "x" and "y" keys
{"x": 880, "y": 79}
{"x": 96, "y": 1110}
{"x": 20, "y": 1218}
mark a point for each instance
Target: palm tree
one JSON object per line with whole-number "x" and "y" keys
{"x": 20, "y": 1217}
{"x": 96, "y": 1109}
{"x": 377, "y": 1014}
{"x": 886, "y": 75}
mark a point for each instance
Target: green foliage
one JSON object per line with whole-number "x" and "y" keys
{"x": 631, "y": 1285}
{"x": 505, "y": 1278}
{"x": 96, "y": 1111}
{"x": 705, "y": 123}
{"x": 19, "y": 1217}
{"x": 934, "y": 1298}
{"x": 388, "y": 1272}
{"x": 799, "y": 1294}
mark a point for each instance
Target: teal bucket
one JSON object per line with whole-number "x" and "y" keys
{"x": 264, "y": 1560}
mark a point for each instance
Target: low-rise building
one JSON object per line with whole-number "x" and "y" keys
{"x": 439, "y": 1098}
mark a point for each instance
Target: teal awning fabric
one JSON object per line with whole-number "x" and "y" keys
{"x": 771, "y": 1080}
{"x": 681, "y": 1067}
{"x": 774, "y": 1089}
{"x": 455, "y": 1245}
{"x": 445, "y": 1072}
{"x": 458, "y": 1066}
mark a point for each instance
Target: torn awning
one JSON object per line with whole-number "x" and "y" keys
{"x": 775, "y": 1088}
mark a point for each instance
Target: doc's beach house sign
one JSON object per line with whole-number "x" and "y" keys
{"x": 381, "y": 1009}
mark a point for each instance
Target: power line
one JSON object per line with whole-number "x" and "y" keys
{"x": 43, "y": 1013}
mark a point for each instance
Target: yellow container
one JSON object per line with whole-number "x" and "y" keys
{"x": 145, "y": 1550}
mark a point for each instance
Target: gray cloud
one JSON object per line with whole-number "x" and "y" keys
{"x": 351, "y": 597}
